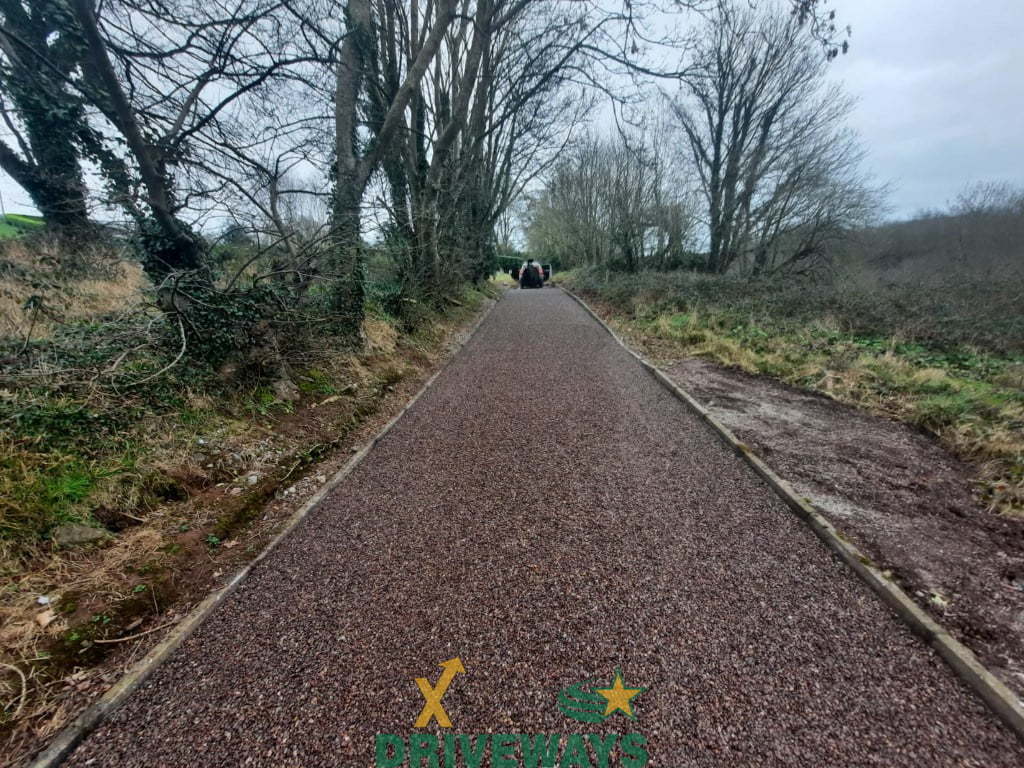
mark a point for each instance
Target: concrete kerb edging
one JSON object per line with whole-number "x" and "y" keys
{"x": 72, "y": 734}
{"x": 961, "y": 659}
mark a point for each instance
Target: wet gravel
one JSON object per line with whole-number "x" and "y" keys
{"x": 548, "y": 513}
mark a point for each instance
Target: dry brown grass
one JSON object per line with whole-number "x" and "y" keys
{"x": 28, "y": 630}
{"x": 978, "y": 418}
{"x": 381, "y": 336}
{"x": 100, "y": 572}
{"x": 31, "y": 269}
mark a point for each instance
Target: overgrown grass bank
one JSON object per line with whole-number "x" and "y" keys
{"x": 171, "y": 462}
{"x": 74, "y": 449}
{"x": 945, "y": 356}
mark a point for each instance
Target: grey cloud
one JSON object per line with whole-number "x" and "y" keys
{"x": 941, "y": 93}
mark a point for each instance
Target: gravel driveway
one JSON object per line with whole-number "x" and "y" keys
{"x": 548, "y": 513}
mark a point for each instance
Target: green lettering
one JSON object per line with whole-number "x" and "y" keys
{"x": 388, "y": 742}
{"x": 449, "y": 751}
{"x": 602, "y": 747}
{"x": 575, "y": 754}
{"x": 423, "y": 746}
{"x": 472, "y": 753}
{"x": 634, "y": 754}
{"x": 503, "y": 751}
{"x": 540, "y": 751}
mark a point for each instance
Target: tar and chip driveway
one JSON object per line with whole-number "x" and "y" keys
{"x": 548, "y": 513}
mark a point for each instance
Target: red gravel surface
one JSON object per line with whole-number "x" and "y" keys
{"x": 547, "y": 512}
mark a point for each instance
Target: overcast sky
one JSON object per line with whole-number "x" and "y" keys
{"x": 941, "y": 90}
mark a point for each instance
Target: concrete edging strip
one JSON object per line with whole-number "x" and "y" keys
{"x": 959, "y": 657}
{"x": 73, "y": 733}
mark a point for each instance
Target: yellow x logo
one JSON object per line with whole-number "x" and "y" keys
{"x": 433, "y": 694}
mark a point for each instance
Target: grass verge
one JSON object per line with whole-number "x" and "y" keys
{"x": 183, "y": 481}
{"x": 17, "y": 224}
{"x": 970, "y": 396}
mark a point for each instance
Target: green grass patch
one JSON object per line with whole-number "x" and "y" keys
{"x": 263, "y": 402}
{"x": 316, "y": 382}
{"x": 74, "y": 449}
{"x": 17, "y": 224}
{"x": 40, "y": 491}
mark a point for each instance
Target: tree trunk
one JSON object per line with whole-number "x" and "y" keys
{"x": 54, "y": 184}
{"x": 349, "y": 183}
{"x": 348, "y": 292}
{"x": 49, "y": 167}
{"x": 354, "y": 167}
{"x": 168, "y": 244}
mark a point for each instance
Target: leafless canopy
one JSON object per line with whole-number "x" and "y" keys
{"x": 259, "y": 148}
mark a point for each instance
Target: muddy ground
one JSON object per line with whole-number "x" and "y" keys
{"x": 894, "y": 491}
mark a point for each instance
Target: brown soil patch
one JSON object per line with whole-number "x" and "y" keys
{"x": 898, "y": 494}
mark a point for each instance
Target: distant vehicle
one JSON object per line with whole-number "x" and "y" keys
{"x": 531, "y": 275}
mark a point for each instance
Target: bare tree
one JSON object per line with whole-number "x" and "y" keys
{"x": 612, "y": 203}
{"x": 357, "y": 161}
{"x": 160, "y": 75}
{"x": 492, "y": 112}
{"x": 192, "y": 108}
{"x": 776, "y": 170}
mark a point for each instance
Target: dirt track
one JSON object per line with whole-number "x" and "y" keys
{"x": 639, "y": 542}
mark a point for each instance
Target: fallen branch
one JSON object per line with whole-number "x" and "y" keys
{"x": 174, "y": 362}
{"x": 137, "y": 635}
{"x": 34, "y": 302}
{"x": 121, "y": 357}
{"x": 24, "y": 689}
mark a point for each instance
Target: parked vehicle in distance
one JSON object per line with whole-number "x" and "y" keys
{"x": 516, "y": 273}
{"x": 531, "y": 275}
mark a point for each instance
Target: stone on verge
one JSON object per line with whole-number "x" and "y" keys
{"x": 285, "y": 390}
{"x": 74, "y": 534}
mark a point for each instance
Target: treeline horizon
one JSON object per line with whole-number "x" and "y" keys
{"x": 302, "y": 119}
{"x": 275, "y": 164}
{"x": 744, "y": 165}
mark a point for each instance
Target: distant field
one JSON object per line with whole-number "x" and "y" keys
{"x": 503, "y": 278}
{"x": 15, "y": 224}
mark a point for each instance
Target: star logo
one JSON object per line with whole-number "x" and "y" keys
{"x": 589, "y": 704}
{"x": 619, "y": 697}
